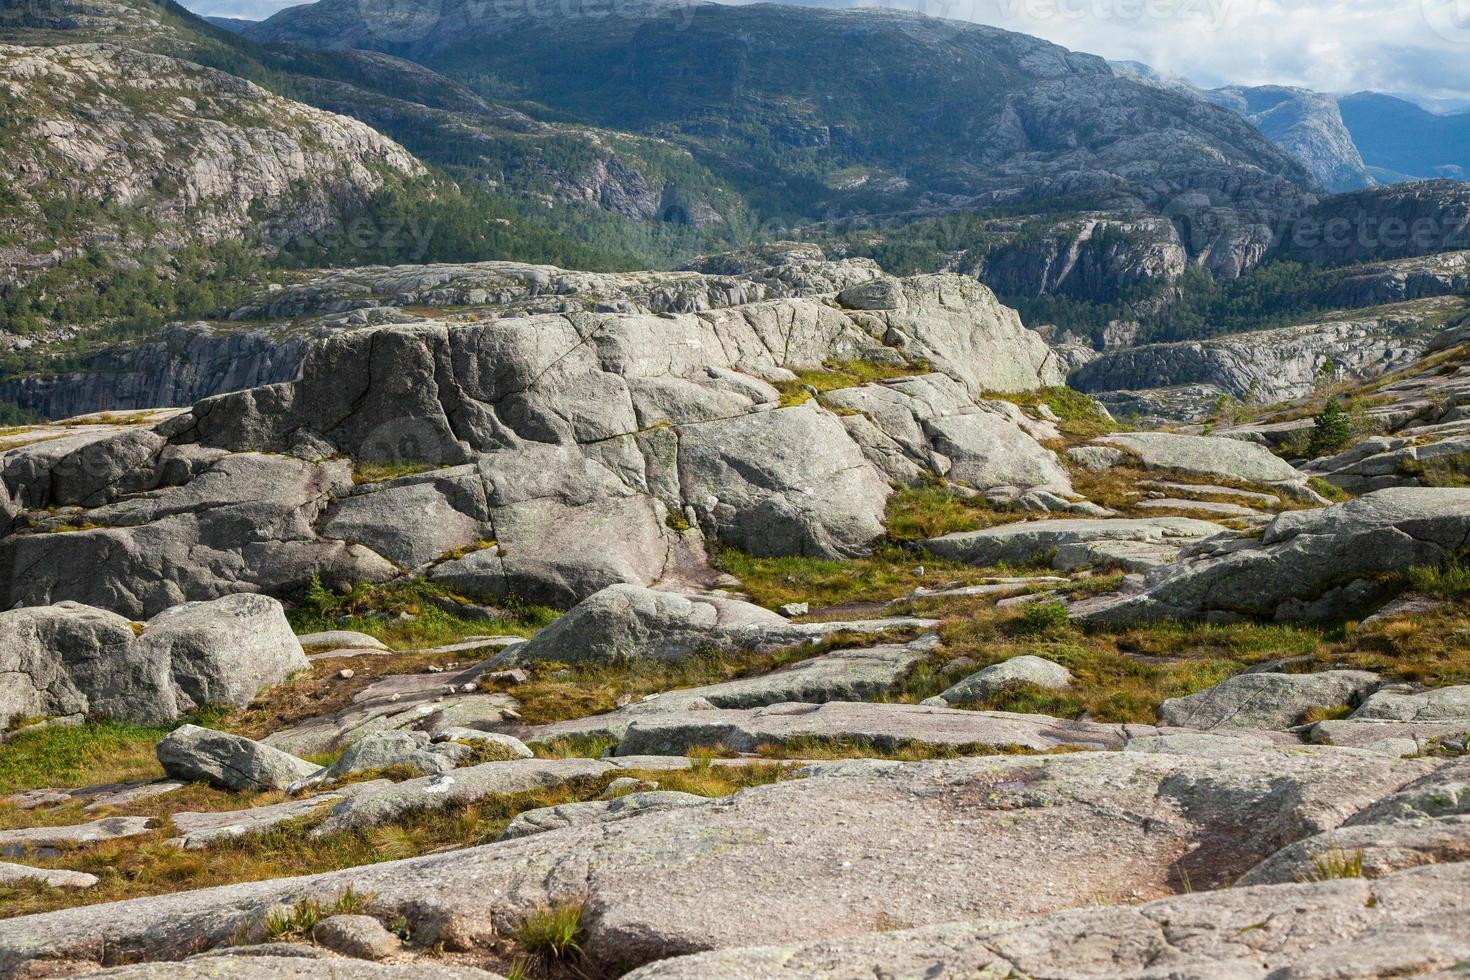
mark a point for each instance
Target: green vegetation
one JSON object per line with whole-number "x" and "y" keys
{"x": 1079, "y": 415}
{"x": 1042, "y": 619}
{"x": 297, "y": 922}
{"x": 433, "y": 219}
{"x": 141, "y": 866}
{"x": 76, "y": 755}
{"x": 888, "y": 574}
{"x": 1441, "y": 471}
{"x": 553, "y": 932}
{"x": 1448, "y": 580}
{"x": 556, "y": 692}
{"x": 933, "y": 509}
{"x": 836, "y": 375}
{"x": 1332, "y": 430}
{"x": 380, "y": 611}
{"x": 1335, "y": 864}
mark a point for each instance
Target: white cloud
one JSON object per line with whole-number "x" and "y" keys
{"x": 1419, "y": 46}
{"x": 1411, "y": 46}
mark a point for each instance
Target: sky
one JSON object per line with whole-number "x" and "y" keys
{"x": 1418, "y": 48}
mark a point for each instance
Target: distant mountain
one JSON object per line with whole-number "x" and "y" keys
{"x": 1399, "y": 137}
{"x": 821, "y": 114}
{"x": 1348, "y": 142}
{"x": 1306, "y": 124}
{"x": 237, "y": 25}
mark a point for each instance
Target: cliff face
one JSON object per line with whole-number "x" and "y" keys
{"x": 191, "y": 362}
{"x": 1400, "y": 221}
{"x": 1089, "y": 258}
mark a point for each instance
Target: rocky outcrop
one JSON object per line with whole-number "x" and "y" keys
{"x": 547, "y": 456}
{"x": 850, "y": 842}
{"x": 1267, "y": 700}
{"x": 1389, "y": 926}
{"x": 1398, "y": 221}
{"x": 1265, "y": 366}
{"x": 1313, "y": 565}
{"x": 76, "y": 662}
{"x": 786, "y": 271}
{"x": 1214, "y": 458}
{"x": 626, "y": 623}
{"x": 1075, "y": 543}
{"x": 1023, "y": 671}
{"x": 1088, "y": 258}
{"x": 179, "y": 153}
{"x": 1400, "y": 280}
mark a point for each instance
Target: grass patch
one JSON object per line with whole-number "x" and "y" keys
{"x": 1043, "y": 619}
{"x": 931, "y": 510}
{"x": 556, "y": 692}
{"x": 888, "y": 574}
{"x": 143, "y": 866}
{"x": 1079, "y": 415}
{"x": 1335, "y": 864}
{"x": 835, "y": 375}
{"x": 79, "y": 755}
{"x": 1442, "y": 471}
{"x": 379, "y": 611}
{"x": 1450, "y": 580}
{"x": 297, "y": 922}
{"x": 382, "y": 472}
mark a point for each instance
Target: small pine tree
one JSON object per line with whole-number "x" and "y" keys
{"x": 1332, "y": 430}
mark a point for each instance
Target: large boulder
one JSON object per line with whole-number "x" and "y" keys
{"x": 1310, "y": 565}
{"x": 228, "y": 761}
{"x": 787, "y": 482}
{"x": 225, "y": 651}
{"x": 1441, "y": 704}
{"x": 1211, "y": 456}
{"x": 70, "y": 660}
{"x": 1266, "y": 700}
{"x": 624, "y": 623}
{"x": 1026, "y": 671}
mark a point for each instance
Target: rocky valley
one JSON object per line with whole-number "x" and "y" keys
{"x": 470, "y": 513}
